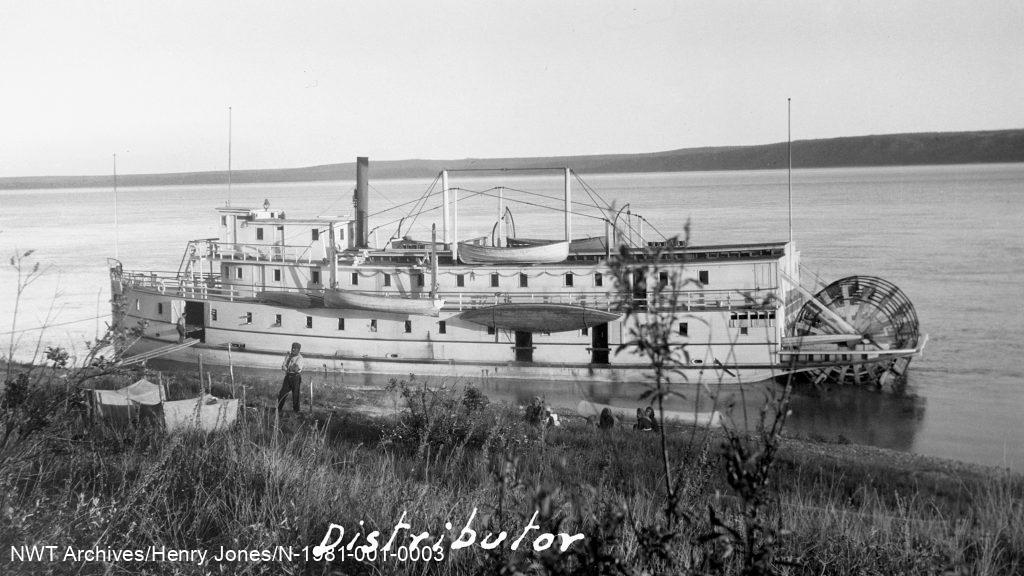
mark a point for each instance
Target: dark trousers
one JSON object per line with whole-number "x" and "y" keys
{"x": 290, "y": 385}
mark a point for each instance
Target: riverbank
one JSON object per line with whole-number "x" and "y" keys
{"x": 282, "y": 481}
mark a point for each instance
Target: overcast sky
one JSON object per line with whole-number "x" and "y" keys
{"x": 321, "y": 82}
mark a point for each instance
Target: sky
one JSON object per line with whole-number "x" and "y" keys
{"x": 312, "y": 82}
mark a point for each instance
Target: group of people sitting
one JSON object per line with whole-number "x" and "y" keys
{"x": 645, "y": 420}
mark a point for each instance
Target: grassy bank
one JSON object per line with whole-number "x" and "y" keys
{"x": 271, "y": 481}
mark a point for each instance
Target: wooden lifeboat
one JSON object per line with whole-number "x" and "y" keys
{"x": 531, "y": 252}
{"x": 382, "y": 303}
{"x": 530, "y": 317}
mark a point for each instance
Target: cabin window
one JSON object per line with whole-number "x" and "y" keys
{"x": 387, "y": 279}
{"x": 408, "y": 326}
{"x": 442, "y": 327}
{"x": 373, "y": 325}
{"x": 309, "y": 321}
{"x": 490, "y": 329}
{"x": 259, "y": 233}
{"x": 341, "y": 323}
{"x": 684, "y": 329}
{"x": 355, "y": 278}
{"x": 494, "y": 280}
{"x": 277, "y": 274}
{"x": 584, "y": 331}
{"x": 568, "y": 279}
{"x": 341, "y": 233}
{"x": 598, "y": 279}
{"x": 277, "y": 319}
{"x": 316, "y": 276}
{"x": 419, "y": 280}
{"x": 524, "y": 282}
{"x": 213, "y": 314}
{"x": 703, "y": 277}
{"x": 136, "y": 304}
{"x": 248, "y": 317}
{"x": 223, "y": 220}
{"x": 160, "y": 308}
{"x": 460, "y": 280}
{"x": 316, "y": 234}
{"x": 238, "y": 272}
{"x": 663, "y": 278}
{"x": 743, "y": 330}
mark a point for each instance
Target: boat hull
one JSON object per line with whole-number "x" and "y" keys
{"x": 538, "y": 317}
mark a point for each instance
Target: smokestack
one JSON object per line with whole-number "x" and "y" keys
{"x": 362, "y": 202}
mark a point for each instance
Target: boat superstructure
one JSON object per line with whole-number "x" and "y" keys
{"x": 504, "y": 306}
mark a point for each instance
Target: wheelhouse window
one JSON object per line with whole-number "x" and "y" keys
{"x": 460, "y": 280}
{"x": 524, "y": 281}
{"x": 569, "y": 279}
{"x": 223, "y": 220}
{"x": 494, "y": 280}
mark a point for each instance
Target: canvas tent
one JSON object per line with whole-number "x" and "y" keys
{"x": 145, "y": 401}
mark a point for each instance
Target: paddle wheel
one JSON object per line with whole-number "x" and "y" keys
{"x": 857, "y": 330}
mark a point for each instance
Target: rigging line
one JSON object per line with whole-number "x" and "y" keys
{"x": 542, "y": 206}
{"x": 474, "y": 194}
{"x": 52, "y": 325}
{"x": 589, "y": 189}
{"x": 379, "y": 193}
{"x": 424, "y": 203}
{"x": 436, "y": 178}
{"x": 553, "y": 198}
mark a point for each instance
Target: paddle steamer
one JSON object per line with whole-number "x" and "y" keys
{"x": 503, "y": 306}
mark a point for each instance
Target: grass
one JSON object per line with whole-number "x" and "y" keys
{"x": 270, "y": 481}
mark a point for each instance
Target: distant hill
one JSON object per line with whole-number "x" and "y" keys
{"x": 881, "y": 150}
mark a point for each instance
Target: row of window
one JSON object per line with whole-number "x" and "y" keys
{"x": 569, "y": 279}
{"x": 442, "y": 326}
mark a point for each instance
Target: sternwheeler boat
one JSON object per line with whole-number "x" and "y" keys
{"x": 505, "y": 307}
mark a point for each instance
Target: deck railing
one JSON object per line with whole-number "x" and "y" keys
{"x": 212, "y": 287}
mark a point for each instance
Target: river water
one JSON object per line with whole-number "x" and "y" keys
{"x": 951, "y": 237}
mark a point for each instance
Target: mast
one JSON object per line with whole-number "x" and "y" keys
{"x": 116, "y": 233}
{"x": 433, "y": 261}
{"x": 455, "y": 225}
{"x": 229, "y": 156}
{"x": 789, "y": 173}
{"x": 501, "y": 217}
{"x": 444, "y": 219}
{"x": 568, "y": 207}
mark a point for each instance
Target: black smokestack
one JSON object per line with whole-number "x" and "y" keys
{"x": 362, "y": 201}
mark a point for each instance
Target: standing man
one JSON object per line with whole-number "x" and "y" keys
{"x": 180, "y": 325}
{"x": 292, "y": 367}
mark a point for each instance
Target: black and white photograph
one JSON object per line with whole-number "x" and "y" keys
{"x": 511, "y": 287}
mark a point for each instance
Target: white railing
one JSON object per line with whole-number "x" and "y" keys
{"x": 211, "y": 287}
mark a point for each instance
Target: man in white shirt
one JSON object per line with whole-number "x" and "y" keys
{"x": 292, "y": 367}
